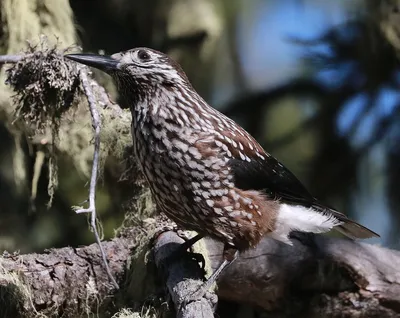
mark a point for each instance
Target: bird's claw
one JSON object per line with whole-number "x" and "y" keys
{"x": 198, "y": 257}
{"x": 179, "y": 253}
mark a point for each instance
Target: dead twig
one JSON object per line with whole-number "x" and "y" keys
{"x": 96, "y": 123}
{"x": 10, "y": 58}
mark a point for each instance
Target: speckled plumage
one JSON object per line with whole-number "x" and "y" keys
{"x": 205, "y": 172}
{"x": 184, "y": 152}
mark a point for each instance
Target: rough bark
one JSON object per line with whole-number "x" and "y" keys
{"x": 182, "y": 277}
{"x": 64, "y": 282}
{"x": 318, "y": 275}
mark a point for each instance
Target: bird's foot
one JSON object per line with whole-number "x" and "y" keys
{"x": 230, "y": 255}
{"x": 198, "y": 257}
{"x": 181, "y": 252}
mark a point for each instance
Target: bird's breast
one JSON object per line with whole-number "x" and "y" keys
{"x": 164, "y": 167}
{"x": 193, "y": 184}
{"x": 180, "y": 178}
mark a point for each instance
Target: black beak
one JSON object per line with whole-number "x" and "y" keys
{"x": 101, "y": 62}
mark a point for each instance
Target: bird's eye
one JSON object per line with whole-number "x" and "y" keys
{"x": 143, "y": 55}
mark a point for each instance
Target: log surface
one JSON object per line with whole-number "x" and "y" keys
{"x": 317, "y": 275}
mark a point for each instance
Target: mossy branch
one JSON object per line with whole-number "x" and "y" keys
{"x": 318, "y": 276}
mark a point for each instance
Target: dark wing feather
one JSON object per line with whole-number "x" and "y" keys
{"x": 271, "y": 176}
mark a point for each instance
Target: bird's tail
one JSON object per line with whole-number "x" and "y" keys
{"x": 355, "y": 230}
{"x": 350, "y": 228}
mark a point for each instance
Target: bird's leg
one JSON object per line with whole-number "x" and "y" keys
{"x": 189, "y": 243}
{"x": 182, "y": 250}
{"x": 230, "y": 254}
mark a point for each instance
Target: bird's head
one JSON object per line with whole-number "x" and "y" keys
{"x": 138, "y": 69}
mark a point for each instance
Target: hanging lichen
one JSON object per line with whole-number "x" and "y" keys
{"x": 22, "y": 21}
{"x": 45, "y": 86}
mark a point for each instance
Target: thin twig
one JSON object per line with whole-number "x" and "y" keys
{"x": 96, "y": 123}
{"x": 11, "y": 58}
{"x": 105, "y": 101}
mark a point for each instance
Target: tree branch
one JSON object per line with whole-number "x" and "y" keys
{"x": 317, "y": 276}
{"x": 320, "y": 275}
{"x": 182, "y": 277}
{"x": 67, "y": 282}
{"x": 10, "y": 58}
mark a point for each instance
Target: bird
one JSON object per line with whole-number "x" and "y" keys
{"x": 205, "y": 172}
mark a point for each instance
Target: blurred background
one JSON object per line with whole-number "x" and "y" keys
{"x": 316, "y": 82}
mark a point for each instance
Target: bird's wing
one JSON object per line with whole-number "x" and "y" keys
{"x": 271, "y": 177}
{"x": 254, "y": 169}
